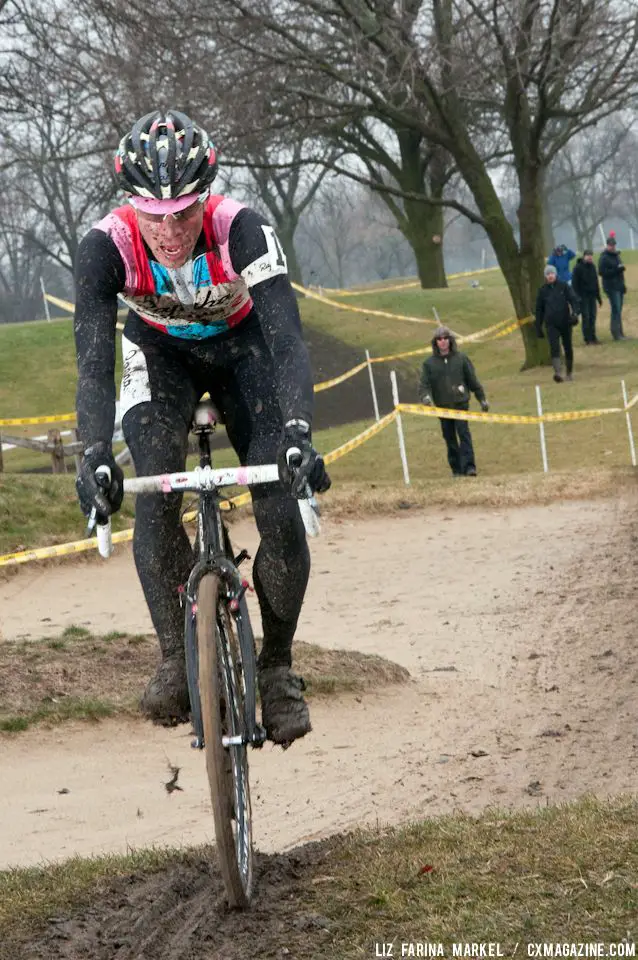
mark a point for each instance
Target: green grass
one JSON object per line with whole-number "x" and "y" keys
{"x": 43, "y": 510}
{"x": 565, "y": 873}
{"x": 30, "y": 896}
{"x": 37, "y": 376}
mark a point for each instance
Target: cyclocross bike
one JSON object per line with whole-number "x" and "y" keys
{"x": 220, "y": 647}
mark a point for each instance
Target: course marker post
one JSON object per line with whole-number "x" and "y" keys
{"x": 395, "y": 400}
{"x": 373, "y": 388}
{"x": 632, "y": 448}
{"x": 539, "y": 407}
{"x": 44, "y": 298}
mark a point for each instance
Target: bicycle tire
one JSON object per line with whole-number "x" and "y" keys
{"x": 221, "y": 690}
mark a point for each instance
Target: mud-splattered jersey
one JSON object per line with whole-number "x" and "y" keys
{"x": 237, "y": 276}
{"x": 204, "y": 297}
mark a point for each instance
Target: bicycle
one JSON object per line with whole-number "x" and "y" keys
{"x": 219, "y": 647}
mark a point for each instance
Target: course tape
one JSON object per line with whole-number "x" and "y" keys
{"x": 404, "y": 286}
{"x": 25, "y": 421}
{"x": 447, "y": 414}
{"x": 360, "y": 438}
{"x": 80, "y": 546}
{"x": 327, "y": 384}
{"x": 368, "y": 313}
{"x": 58, "y": 302}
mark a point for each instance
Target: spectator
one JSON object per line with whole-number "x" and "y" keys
{"x": 587, "y": 289}
{"x": 612, "y": 271}
{"x": 560, "y": 259}
{"x": 557, "y": 307}
{"x": 447, "y": 379}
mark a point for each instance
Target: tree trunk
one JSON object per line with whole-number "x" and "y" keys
{"x": 424, "y": 233}
{"x": 531, "y": 216}
{"x": 286, "y": 235}
{"x": 286, "y": 226}
{"x": 522, "y": 268}
{"x": 423, "y": 223}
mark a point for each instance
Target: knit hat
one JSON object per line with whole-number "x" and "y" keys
{"x": 550, "y": 270}
{"x": 588, "y": 253}
{"x": 611, "y": 240}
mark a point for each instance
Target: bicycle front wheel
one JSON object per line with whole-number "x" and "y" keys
{"x": 222, "y": 695}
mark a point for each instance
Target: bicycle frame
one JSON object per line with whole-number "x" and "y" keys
{"x": 213, "y": 558}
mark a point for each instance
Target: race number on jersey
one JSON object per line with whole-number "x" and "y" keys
{"x": 270, "y": 264}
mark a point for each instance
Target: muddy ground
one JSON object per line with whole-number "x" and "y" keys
{"x": 518, "y": 628}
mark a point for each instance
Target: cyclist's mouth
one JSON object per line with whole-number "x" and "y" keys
{"x": 175, "y": 251}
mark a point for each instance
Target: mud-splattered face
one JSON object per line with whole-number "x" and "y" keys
{"x": 172, "y": 238}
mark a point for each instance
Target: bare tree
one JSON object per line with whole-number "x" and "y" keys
{"x": 531, "y": 73}
{"x": 585, "y": 181}
{"x": 284, "y": 183}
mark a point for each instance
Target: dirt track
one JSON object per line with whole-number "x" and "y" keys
{"x": 517, "y": 626}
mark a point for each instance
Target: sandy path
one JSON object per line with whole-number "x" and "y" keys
{"x": 504, "y": 618}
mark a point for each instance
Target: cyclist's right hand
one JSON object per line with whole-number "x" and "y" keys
{"x": 90, "y": 493}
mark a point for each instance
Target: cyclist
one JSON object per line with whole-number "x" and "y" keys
{"x": 211, "y": 309}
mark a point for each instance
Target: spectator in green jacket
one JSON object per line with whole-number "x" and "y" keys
{"x": 447, "y": 380}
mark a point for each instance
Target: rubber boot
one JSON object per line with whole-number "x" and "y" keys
{"x": 558, "y": 377}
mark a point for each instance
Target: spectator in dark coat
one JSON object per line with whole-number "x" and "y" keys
{"x": 612, "y": 272}
{"x": 587, "y": 289}
{"x": 557, "y": 307}
{"x": 447, "y": 379}
{"x": 560, "y": 259}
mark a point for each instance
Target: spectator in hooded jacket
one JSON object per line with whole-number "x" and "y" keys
{"x": 557, "y": 307}
{"x": 447, "y": 379}
{"x": 587, "y": 289}
{"x": 612, "y": 272}
{"x": 560, "y": 258}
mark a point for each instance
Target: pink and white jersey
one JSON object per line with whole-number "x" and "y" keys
{"x": 204, "y": 297}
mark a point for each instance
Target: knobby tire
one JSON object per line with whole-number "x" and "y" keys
{"x": 222, "y": 699}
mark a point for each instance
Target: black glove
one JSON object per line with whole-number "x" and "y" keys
{"x": 427, "y": 401}
{"x": 485, "y": 406}
{"x": 90, "y": 493}
{"x": 299, "y": 463}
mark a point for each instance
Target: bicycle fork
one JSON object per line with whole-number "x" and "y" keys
{"x": 253, "y": 732}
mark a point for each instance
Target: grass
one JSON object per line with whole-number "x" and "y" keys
{"x": 561, "y": 874}
{"x": 31, "y": 896}
{"x": 43, "y": 510}
{"x": 80, "y": 676}
{"x": 505, "y": 453}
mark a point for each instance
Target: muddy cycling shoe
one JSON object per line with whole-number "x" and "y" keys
{"x": 283, "y": 709}
{"x": 165, "y": 700}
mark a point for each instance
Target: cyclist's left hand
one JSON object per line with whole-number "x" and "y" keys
{"x": 299, "y": 463}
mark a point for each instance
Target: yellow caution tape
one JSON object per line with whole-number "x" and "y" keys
{"x": 404, "y": 286}
{"x": 80, "y": 546}
{"x": 361, "y": 438}
{"x": 25, "y": 421}
{"x": 64, "y": 304}
{"x": 447, "y": 414}
{"x": 369, "y": 313}
{"x": 327, "y": 384}
{"x": 62, "y": 550}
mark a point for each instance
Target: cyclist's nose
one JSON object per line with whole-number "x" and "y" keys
{"x": 170, "y": 227}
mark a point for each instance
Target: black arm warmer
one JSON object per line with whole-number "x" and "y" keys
{"x": 99, "y": 277}
{"x": 276, "y": 307}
